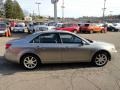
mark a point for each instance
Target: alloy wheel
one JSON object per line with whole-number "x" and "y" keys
{"x": 30, "y": 62}
{"x": 101, "y": 59}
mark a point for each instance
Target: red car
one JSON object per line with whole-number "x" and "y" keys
{"x": 90, "y": 27}
{"x": 68, "y": 27}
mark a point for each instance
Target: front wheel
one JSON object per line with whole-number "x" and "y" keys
{"x": 75, "y": 31}
{"x": 100, "y": 59}
{"x": 29, "y": 62}
{"x": 91, "y": 31}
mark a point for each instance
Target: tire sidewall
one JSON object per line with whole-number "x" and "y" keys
{"x": 94, "y": 62}
{"x": 23, "y": 58}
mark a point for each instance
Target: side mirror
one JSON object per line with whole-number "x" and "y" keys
{"x": 83, "y": 43}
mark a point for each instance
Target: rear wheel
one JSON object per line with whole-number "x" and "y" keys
{"x": 102, "y": 31}
{"x": 29, "y": 61}
{"x": 100, "y": 59}
{"x": 75, "y": 31}
{"x": 33, "y": 31}
{"x": 91, "y": 31}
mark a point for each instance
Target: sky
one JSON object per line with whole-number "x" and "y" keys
{"x": 73, "y": 8}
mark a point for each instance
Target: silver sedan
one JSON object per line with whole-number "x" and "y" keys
{"x": 57, "y": 47}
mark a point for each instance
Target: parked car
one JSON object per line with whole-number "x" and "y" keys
{"x": 4, "y": 29}
{"x": 116, "y": 26}
{"x": 68, "y": 27}
{"x": 19, "y": 28}
{"x": 57, "y": 47}
{"x": 113, "y": 27}
{"x": 92, "y": 27}
{"x": 51, "y": 23}
{"x": 36, "y": 28}
{"x": 59, "y": 25}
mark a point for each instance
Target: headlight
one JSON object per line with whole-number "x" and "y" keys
{"x": 113, "y": 49}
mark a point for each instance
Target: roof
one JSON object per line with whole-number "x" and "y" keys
{"x": 53, "y": 31}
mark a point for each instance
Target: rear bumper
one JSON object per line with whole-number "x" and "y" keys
{"x": 18, "y": 30}
{"x": 13, "y": 57}
{"x": 2, "y": 32}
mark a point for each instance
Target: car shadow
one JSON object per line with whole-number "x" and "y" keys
{"x": 9, "y": 68}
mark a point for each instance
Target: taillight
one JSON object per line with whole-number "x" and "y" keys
{"x": 7, "y": 46}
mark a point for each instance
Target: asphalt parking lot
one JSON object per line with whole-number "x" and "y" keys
{"x": 81, "y": 76}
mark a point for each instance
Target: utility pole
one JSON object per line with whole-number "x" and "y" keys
{"x": 55, "y": 12}
{"x": 111, "y": 18}
{"x": 55, "y": 9}
{"x": 104, "y": 8}
{"x": 63, "y": 10}
{"x": 111, "y": 13}
{"x": 38, "y": 3}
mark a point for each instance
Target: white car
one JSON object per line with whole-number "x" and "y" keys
{"x": 36, "y": 28}
{"x": 19, "y": 28}
{"x": 116, "y": 26}
{"x": 113, "y": 27}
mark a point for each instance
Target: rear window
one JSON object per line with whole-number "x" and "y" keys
{"x": 2, "y": 25}
{"x": 86, "y": 25}
{"x": 18, "y": 25}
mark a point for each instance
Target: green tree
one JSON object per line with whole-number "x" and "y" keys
{"x": 8, "y": 8}
{"x": 17, "y": 11}
{"x": 13, "y": 10}
{"x": 1, "y": 8}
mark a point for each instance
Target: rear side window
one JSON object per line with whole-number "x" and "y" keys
{"x": 47, "y": 38}
{"x": 87, "y": 25}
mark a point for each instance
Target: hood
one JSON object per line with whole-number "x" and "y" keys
{"x": 102, "y": 44}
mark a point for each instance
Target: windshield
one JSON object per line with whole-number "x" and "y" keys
{"x": 18, "y": 26}
{"x": 59, "y": 25}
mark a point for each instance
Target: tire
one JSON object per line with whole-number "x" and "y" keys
{"x": 91, "y": 31}
{"x": 29, "y": 61}
{"x": 102, "y": 31}
{"x": 75, "y": 31}
{"x": 29, "y": 32}
{"x": 100, "y": 59}
{"x": 33, "y": 31}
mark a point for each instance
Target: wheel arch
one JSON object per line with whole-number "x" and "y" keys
{"x": 30, "y": 54}
{"x": 108, "y": 53}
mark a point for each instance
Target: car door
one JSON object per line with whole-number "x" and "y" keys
{"x": 48, "y": 48}
{"x": 69, "y": 27}
{"x": 73, "y": 50}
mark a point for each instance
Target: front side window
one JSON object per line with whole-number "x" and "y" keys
{"x": 47, "y": 38}
{"x": 69, "y": 38}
